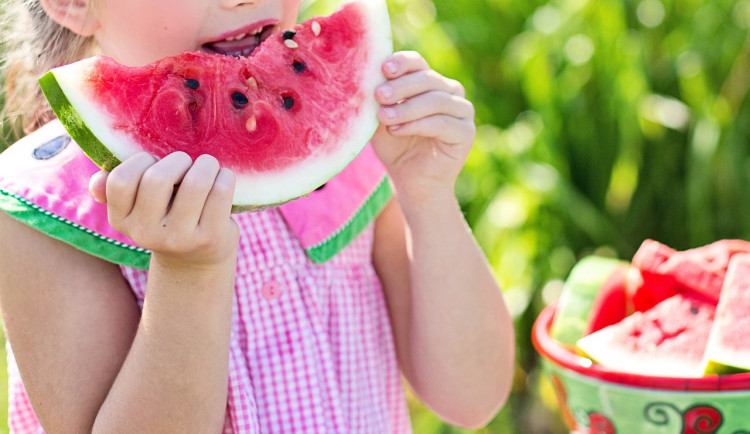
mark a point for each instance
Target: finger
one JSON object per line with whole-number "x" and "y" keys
{"x": 219, "y": 201}
{"x": 190, "y": 199}
{"x": 157, "y": 186}
{"x": 425, "y": 105}
{"x": 98, "y": 186}
{"x": 416, "y": 83}
{"x": 441, "y": 127}
{"x": 403, "y": 62}
{"x": 122, "y": 185}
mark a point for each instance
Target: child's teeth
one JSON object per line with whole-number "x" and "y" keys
{"x": 237, "y": 37}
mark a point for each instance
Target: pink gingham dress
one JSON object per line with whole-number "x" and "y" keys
{"x": 311, "y": 344}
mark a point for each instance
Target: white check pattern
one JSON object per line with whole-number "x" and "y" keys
{"x": 313, "y": 355}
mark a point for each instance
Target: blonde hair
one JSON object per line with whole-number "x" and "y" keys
{"x": 32, "y": 44}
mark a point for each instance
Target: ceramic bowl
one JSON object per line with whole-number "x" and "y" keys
{"x": 597, "y": 400}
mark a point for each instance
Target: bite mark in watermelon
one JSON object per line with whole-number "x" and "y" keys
{"x": 728, "y": 349}
{"x": 667, "y": 340}
{"x": 285, "y": 120}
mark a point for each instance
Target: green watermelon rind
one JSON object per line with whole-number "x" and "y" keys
{"x": 91, "y": 131}
{"x": 714, "y": 367}
{"x": 74, "y": 124}
{"x": 135, "y": 256}
{"x": 577, "y": 298}
{"x": 721, "y": 360}
{"x": 631, "y": 346}
{"x": 623, "y": 360}
{"x": 723, "y": 354}
{"x": 64, "y": 230}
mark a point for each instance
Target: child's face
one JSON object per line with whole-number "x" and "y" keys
{"x": 137, "y": 32}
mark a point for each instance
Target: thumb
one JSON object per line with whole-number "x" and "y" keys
{"x": 98, "y": 186}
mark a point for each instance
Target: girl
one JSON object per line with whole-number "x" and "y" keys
{"x": 233, "y": 327}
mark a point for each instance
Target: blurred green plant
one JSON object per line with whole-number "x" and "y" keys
{"x": 599, "y": 123}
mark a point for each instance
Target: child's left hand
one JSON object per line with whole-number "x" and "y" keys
{"x": 426, "y": 127}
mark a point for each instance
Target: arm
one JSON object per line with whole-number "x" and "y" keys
{"x": 88, "y": 361}
{"x": 70, "y": 330}
{"x": 454, "y": 335}
{"x": 175, "y": 376}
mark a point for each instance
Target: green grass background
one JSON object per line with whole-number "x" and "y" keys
{"x": 600, "y": 123}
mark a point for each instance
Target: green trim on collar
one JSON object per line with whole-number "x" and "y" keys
{"x": 72, "y": 233}
{"x": 328, "y": 248}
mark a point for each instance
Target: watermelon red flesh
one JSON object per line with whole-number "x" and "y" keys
{"x": 664, "y": 272}
{"x": 167, "y": 115}
{"x": 728, "y": 347}
{"x": 647, "y": 289}
{"x": 668, "y": 340}
{"x": 647, "y": 286}
{"x": 702, "y": 270}
{"x": 577, "y": 298}
{"x": 286, "y": 119}
{"x": 610, "y": 304}
{"x": 651, "y": 254}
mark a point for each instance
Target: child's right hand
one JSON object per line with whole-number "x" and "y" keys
{"x": 177, "y": 208}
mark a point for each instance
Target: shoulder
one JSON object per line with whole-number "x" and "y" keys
{"x": 42, "y": 160}
{"x": 33, "y": 265}
{"x": 44, "y": 181}
{"x": 55, "y": 298}
{"x": 39, "y": 138}
{"x": 327, "y": 220}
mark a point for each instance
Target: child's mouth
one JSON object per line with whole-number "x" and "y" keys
{"x": 241, "y": 44}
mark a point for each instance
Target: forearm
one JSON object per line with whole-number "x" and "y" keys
{"x": 460, "y": 333}
{"x": 175, "y": 376}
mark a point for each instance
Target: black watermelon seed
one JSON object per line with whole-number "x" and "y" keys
{"x": 321, "y": 187}
{"x": 288, "y": 34}
{"x": 192, "y": 83}
{"x": 694, "y": 310}
{"x": 288, "y": 102}
{"x": 299, "y": 67}
{"x": 239, "y": 99}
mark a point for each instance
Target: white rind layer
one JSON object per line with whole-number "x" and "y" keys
{"x": 267, "y": 188}
{"x": 72, "y": 81}
{"x": 300, "y": 179}
{"x": 624, "y": 360}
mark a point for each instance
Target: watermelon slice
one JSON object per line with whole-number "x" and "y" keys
{"x": 668, "y": 340}
{"x": 661, "y": 272}
{"x": 647, "y": 286}
{"x": 578, "y": 296}
{"x": 285, "y": 120}
{"x": 702, "y": 270}
{"x": 728, "y": 349}
{"x": 610, "y": 304}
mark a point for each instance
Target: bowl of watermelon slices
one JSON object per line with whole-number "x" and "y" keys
{"x": 659, "y": 344}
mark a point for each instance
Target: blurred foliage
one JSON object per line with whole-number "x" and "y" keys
{"x": 600, "y": 123}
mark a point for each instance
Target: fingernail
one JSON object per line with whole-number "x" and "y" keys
{"x": 97, "y": 176}
{"x": 386, "y": 91}
{"x": 389, "y": 113}
{"x": 390, "y": 67}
